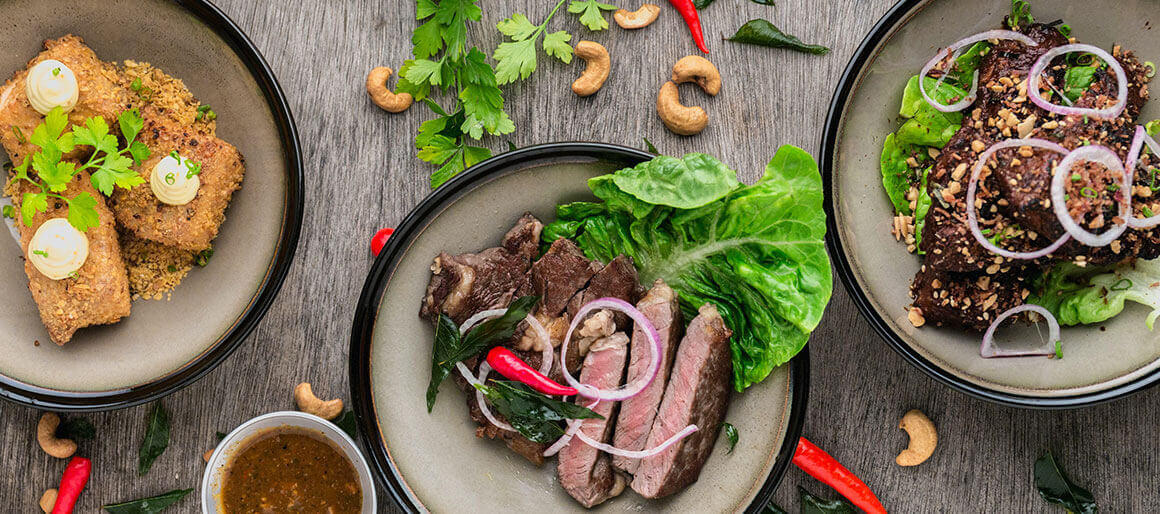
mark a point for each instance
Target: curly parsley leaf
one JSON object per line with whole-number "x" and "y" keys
{"x": 591, "y": 13}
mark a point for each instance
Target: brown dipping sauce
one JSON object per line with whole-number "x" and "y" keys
{"x": 290, "y": 469}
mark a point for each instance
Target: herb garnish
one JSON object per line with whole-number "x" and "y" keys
{"x": 19, "y": 134}
{"x": 151, "y": 505}
{"x": 1055, "y": 487}
{"x": 591, "y": 13}
{"x": 1020, "y": 15}
{"x": 535, "y": 416}
{"x": 41, "y": 253}
{"x": 516, "y": 59}
{"x": 1058, "y": 349}
{"x": 56, "y": 72}
{"x": 205, "y": 112}
{"x": 156, "y": 438}
{"x": 450, "y": 347}
{"x": 816, "y": 505}
{"x": 1088, "y": 192}
{"x": 9, "y": 212}
{"x": 730, "y": 435}
{"x": 76, "y": 428}
{"x": 348, "y": 423}
{"x": 763, "y": 33}
{"x": 143, "y": 91}
{"x": 202, "y": 257}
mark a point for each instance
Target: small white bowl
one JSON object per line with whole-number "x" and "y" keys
{"x": 211, "y": 482}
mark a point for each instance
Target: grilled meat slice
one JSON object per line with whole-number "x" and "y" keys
{"x": 618, "y": 279}
{"x": 524, "y": 238}
{"x": 559, "y": 274}
{"x": 972, "y": 300}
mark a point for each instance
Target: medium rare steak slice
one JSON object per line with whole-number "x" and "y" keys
{"x": 698, "y": 394}
{"x": 559, "y": 274}
{"x": 636, "y": 417}
{"x": 585, "y": 472}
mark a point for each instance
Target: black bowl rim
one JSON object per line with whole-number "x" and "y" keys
{"x": 67, "y": 401}
{"x": 366, "y": 313}
{"x": 893, "y": 19}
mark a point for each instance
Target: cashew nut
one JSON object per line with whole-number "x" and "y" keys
{"x": 46, "y": 436}
{"x": 695, "y": 68}
{"x": 596, "y": 71}
{"x": 923, "y": 438}
{"x": 208, "y": 453}
{"x": 638, "y": 19}
{"x": 310, "y": 404}
{"x": 48, "y": 500}
{"x": 383, "y": 97}
{"x": 680, "y": 119}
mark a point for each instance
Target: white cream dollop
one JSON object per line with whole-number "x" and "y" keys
{"x": 58, "y": 249}
{"x": 171, "y": 181}
{"x": 51, "y": 84}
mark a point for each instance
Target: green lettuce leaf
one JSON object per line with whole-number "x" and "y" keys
{"x": 896, "y": 174}
{"x": 757, "y": 253}
{"x": 689, "y": 182}
{"x": 921, "y": 209}
{"x": 1078, "y": 296}
{"x": 926, "y": 125}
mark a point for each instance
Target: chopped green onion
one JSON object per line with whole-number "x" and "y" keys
{"x": 136, "y": 85}
{"x": 1121, "y": 285}
{"x": 41, "y": 253}
{"x": 1088, "y": 192}
{"x": 194, "y": 168}
{"x": 1151, "y": 69}
{"x": 206, "y": 112}
{"x": 170, "y": 179}
{"x": 56, "y": 72}
{"x": 202, "y": 258}
{"x": 1147, "y": 212}
{"x": 1059, "y": 349}
{"x": 172, "y": 268}
{"x": 19, "y": 134}
{"x": 74, "y": 275}
{"x": 9, "y": 212}
{"x": 1075, "y": 177}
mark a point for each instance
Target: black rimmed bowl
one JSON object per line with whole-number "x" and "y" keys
{"x": 163, "y": 345}
{"x": 434, "y": 462}
{"x": 1101, "y": 362}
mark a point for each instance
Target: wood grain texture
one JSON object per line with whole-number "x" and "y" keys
{"x": 362, "y": 174}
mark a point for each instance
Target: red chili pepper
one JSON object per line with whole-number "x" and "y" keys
{"x": 512, "y": 367}
{"x": 380, "y": 240}
{"x": 823, "y": 467}
{"x": 692, "y": 19}
{"x": 76, "y": 475}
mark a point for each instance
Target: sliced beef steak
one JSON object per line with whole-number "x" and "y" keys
{"x": 585, "y": 472}
{"x": 524, "y": 238}
{"x": 636, "y": 416}
{"x": 559, "y": 274}
{"x": 698, "y": 394}
{"x": 618, "y": 279}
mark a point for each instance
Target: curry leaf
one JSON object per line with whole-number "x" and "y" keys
{"x": 731, "y": 435}
{"x": 151, "y": 505}
{"x": 76, "y": 429}
{"x": 815, "y": 505}
{"x": 536, "y": 416}
{"x": 701, "y": 4}
{"x": 156, "y": 438}
{"x": 348, "y": 423}
{"x": 763, "y": 33}
{"x": 1055, "y": 487}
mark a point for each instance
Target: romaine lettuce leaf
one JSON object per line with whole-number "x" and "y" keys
{"x": 1075, "y": 296}
{"x": 757, "y": 253}
{"x": 896, "y": 173}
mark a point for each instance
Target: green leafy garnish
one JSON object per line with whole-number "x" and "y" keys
{"x": 348, "y": 423}
{"x": 9, "y": 212}
{"x": 220, "y": 435}
{"x": 650, "y": 147}
{"x": 816, "y": 505}
{"x": 516, "y": 59}
{"x": 143, "y": 92}
{"x": 450, "y": 347}
{"x": 205, "y": 112}
{"x": 41, "y": 253}
{"x": 534, "y": 415}
{"x": 591, "y": 13}
{"x": 76, "y": 429}
{"x": 1076, "y": 80}
{"x": 156, "y": 438}
{"x": 686, "y": 183}
{"x": 756, "y": 252}
{"x": 1020, "y": 15}
{"x": 897, "y": 175}
{"x": 151, "y": 505}
{"x": 763, "y": 33}
{"x": 730, "y": 432}
{"x": 1084, "y": 296}
{"x": 202, "y": 257}
{"x": 922, "y": 208}
{"x": 701, "y": 4}
{"x": 1055, "y": 487}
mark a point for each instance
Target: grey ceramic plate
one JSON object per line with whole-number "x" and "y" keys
{"x": 434, "y": 462}
{"x": 1101, "y": 362}
{"x": 163, "y": 345}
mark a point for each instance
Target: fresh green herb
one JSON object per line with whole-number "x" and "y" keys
{"x": 170, "y": 178}
{"x": 1112, "y": 188}
{"x": 1147, "y": 212}
{"x": 1151, "y": 69}
{"x": 151, "y": 505}
{"x": 1076, "y": 80}
{"x": 925, "y": 125}
{"x": 701, "y": 4}
{"x": 1084, "y": 296}
{"x": 730, "y": 432}
{"x": 1088, "y": 192}
{"x": 1020, "y": 15}
{"x": 202, "y": 257}
{"x": 205, "y": 112}
{"x": 76, "y": 429}
{"x": 764, "y": 2}
{"x": 450, "y": 347}
{"x": 686, "y": 183}
{"x": 9, "y": 212}
{"x": 921, "y": 210}
{"x": 73, "y": 274}
{"x": 1075, "y": 177}
{"x": 143, "y": 92}
{"x": 172, "y": 268}
{"x": 534, "y": 415}
{"x": 463, "y": 74}
{"x": 193, "y": 169}
{"x": 757, "y": 252}
{"x": 156, "y": 438}
{"x": 56, "y": 72}
{"x": 763, "y": 33}
{"x": 516, "y": 59}
{"x": 1055, "y": 487}
{"x": 962, "y": 73}
{"x": 1059, "y": 349}
{"x": 19, "y": 135}
{"x": 816, "y": 505}
{"x": 348, "y": 423}
{"x": 651, "y": 148}
{"x": 591, "y": 13}
{"x": 1121, "y": 285}
{"x": 1064, "y": 29}
{"x": 41, "y": 253}
{"x": 220, "y": 436}
{"x": 897, "y": 175}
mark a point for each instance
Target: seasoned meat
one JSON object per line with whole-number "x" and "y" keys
{"x": 618, "y": 279}
{"x": 559, "y": 274}
{"x": 462, "y": 285}
{"x": 100, "y": 95}
{"x": 585, "y": 472}
{"x": 99, "y": 294}
{"x": 192, "y": 226}
{"x": 636, "y": 416}
{"x": 697, "y": 393}
{"x": 530, "y": 450}
{"x": 524, "y": 238}
{"x": 972, "y": 300}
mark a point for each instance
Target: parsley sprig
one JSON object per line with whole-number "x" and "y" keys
{"x": 516, "y": 59}
{"x": 109, "y": 164}
{"x": 591, "y": 13}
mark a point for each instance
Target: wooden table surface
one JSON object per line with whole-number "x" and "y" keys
{"x": 361, "y": 173}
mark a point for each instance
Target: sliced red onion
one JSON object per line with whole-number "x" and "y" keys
{"x": 1138, "y": 142}
{"x": 627, "y": 390}
{"x": 479, "y": 316}
{"x": 989, "y": 350}
{"x": 545, "y": 340}
{"x": 1044, "y": 61}
{"x": 972, "y": 190}
{"x": 573, "y": 426}
{"x": 640, "y": 454}
{"x": 951, "y": 51}
{"x": 484, "y": 369}
{"x": 1101, "y": 155}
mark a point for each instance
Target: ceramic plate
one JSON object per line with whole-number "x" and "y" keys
{"x": 434, "y": 462}
{"x": 163, "y": 345}
{"x": 1101, "y": 362}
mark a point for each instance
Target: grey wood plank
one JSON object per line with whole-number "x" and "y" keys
{"x": 362, "y": 174}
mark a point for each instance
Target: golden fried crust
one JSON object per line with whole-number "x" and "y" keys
{"x": 99, "y": 295}
{"x": 192, "y": 226}
{"x": 100, "y": 95}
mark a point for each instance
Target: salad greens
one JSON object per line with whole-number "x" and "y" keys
{"x": 1079, "y": 296}
{"x": 535, "y": 416}
{"x": 756, "y": 252}
{"x": 1055, "y": 487}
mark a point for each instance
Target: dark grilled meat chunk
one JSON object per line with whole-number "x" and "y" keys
{"x": 526, "y": 448}
{"x": 971, "y": 300}
{"x": 618, "y": 279}
{"x": 559, "y": 274}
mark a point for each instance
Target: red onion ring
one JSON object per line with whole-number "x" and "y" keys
{"x": 484, "y": 369}
{"x": 989, "y": 350}
{"x": 547, "y": 355}
{"x": 1138, "y": 142}
{"x": 973, "y": 186}
{"x": 628, "y": 390}
{"x": 951, "y": 50}
{"x": 573, "y": 426}
{"x": 479, "y": 316}
{"x": 1044, "y": 61}
{"x": 1101, "y": 155}
{"x": 639, "y": 454}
